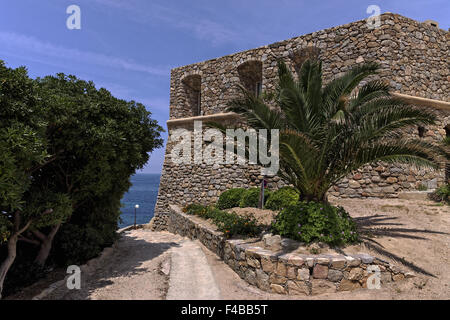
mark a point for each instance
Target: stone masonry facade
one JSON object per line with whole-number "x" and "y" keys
{"x": 413, "y": 59}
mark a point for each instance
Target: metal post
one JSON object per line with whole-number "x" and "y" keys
{"x": 135, "y": 208}
{"x": 261, "y": 194}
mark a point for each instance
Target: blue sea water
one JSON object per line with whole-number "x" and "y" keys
{"x": 143, "y": 192}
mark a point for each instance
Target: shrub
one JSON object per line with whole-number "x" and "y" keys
{"x": 422, "y": 187}
{"x": 23, "y": 273}
{"x": 195, "y": 209}
{"x": 232, "y": 224}
{"x": 282, "y": 198}
{"x": 442, "y": 194}
{"x": 312, "y": 221}
{"x": 229, "y": 223}
{"x": 250, "y": 198}
{"x": 76, "y": 244}
{"x": 230, "y": 198}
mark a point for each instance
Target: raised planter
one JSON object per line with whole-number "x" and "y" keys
{"x": 287, "y": 273}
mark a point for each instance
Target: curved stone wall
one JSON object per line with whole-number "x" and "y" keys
{"x": 286, "y": 273}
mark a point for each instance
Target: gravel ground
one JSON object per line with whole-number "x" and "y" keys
{"x": 133, "y": 272}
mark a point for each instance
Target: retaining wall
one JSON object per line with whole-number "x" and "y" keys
{"x": 286, "y": 273}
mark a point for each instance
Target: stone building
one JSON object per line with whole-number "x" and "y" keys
{"x": 413, "y": 57}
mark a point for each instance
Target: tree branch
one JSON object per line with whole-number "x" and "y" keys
{"x": 35, "y": 242}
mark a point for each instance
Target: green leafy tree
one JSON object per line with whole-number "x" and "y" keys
{"x": 100, "y": 141}
{"x": 328, "y": 131}
{"x": 22, "y": 154}
{"x": 67, "y": 151}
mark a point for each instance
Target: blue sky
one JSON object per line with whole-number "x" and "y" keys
{"x": 129, "y": 46}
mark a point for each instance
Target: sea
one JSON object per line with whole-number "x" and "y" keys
{"x": 143, "y": 192}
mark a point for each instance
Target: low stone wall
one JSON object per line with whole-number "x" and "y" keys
{"x": 285, "y": 273}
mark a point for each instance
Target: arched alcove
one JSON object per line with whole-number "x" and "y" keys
{"x": 421, "y": 131}
{"x": 192, "y": 88}
{"x": 299, "y": 56}
{"x": 250, "y": 75}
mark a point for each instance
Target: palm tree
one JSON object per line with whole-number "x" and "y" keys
{"x": 326, "y": 132}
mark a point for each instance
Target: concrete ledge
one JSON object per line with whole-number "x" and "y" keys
{"x": 438, "y": 104}
{"x": 414, "y": 195}
{"x": 207, "y": 118}
{"x": 287, "y": 273}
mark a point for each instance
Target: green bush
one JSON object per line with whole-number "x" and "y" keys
{"x": 230, "y": 198}
{"x": 442, "y": 194}
{"x": 282, "y": 198}
{"x": 230, "y": 224}
{"x": 311, "y": 221}
{"x": 195, "y": 209}
{"x": 250, "y": 198}
{"x": 23, "y": 273}
{"x": 76, "y": 244}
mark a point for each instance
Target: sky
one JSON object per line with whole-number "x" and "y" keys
{"x": 129, "y": 46}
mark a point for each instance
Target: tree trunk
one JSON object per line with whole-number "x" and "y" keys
{"x": 46, "y": 245}
{"x": 6, "y": 264}
{"x": 12, "y": 248}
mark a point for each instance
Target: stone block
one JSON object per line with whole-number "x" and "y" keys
{"x": 276, "y": 279}
{"x": 335, "y": 275}
{"x": 276, "y": 288}
{"x": 338, "y": 263}
{"x": 303, "y": 274}
{"x": 356, "y": 274}
{"x": 298, "y": 287}
{"x": 268, "y": 265}
{"x": 320, "y": 271}
{"x": 322, "y": 286}
{"x": 281, "y": 269}
{"x": 348, "y": 285}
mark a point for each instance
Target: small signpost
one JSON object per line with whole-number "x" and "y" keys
{"x": 261, "y": 194}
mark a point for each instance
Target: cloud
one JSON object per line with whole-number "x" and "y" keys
{"x": 198, "y": 26}
{"x": 17, "y": 44}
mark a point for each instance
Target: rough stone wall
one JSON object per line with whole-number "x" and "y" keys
{"x": 413, "y": 58}
{"x": 287, "y": 273}
{"x": 388, "y": 180}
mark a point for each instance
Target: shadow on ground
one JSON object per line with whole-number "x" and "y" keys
{"x": 126, "y": 261}
{"x": 372, "y": 227}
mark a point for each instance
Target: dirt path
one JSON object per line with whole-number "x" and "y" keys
{"x": 413, "y": 234}
{"x": 191, "y": 277}
{"x": 133, "y": 272}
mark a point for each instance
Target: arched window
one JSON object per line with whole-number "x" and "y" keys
{"x": 250, "y": 75}
{"x": 192, "y": 88}
{"x": 421, "y": 131}
{"x": 301, "y": 55}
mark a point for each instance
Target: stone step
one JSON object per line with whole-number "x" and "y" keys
{"x": 415, "y": 195}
